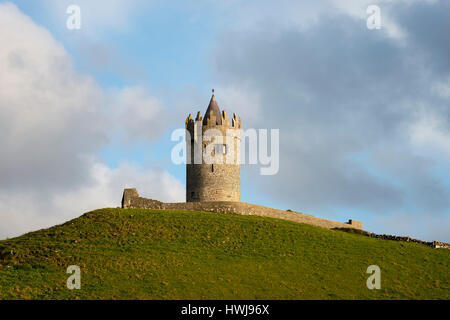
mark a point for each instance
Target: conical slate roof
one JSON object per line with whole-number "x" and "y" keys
{"x": 216, "y": 111}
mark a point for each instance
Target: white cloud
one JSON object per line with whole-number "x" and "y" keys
{"x": 21, "y": 212}
{"x": 304, "y": 15}
{"x": 54, "y": 121}
{"x": 50, "y": 112}
{"x": 357, "y": 10}
{"x": 100, "y": 15}
{"x": 138, "y": 112}
{"x": 107, "y": 187}
{"x": 442, "y": 88}
{"x": 430, "y": 132}
{"x": 242, "y": 98}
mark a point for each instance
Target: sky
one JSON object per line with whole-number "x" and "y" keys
{"x": 363, "y": 114}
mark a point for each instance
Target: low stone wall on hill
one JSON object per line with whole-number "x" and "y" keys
{"x": 434, "y": 244}
{"x": 131, "y": 199}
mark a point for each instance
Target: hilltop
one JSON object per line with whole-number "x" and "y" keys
{"x": 164, "y": 254}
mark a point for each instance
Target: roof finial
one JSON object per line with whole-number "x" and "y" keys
{"x": 213, "y": 91}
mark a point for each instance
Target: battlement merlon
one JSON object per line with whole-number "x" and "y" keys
{"x": 211, "y": 119}
{"x": 189, "y": 123}
{"x": 236, "y": 122}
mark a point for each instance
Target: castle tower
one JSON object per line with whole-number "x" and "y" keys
{"x": 213, "y": 144}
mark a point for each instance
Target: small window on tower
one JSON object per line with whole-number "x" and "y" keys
{"x": 220, "y": 149}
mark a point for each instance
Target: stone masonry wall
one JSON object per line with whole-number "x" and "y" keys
{"x": 208, "y": 182}
{"x": 131, "y": 199}
{"x": 438, "y": 244}
{"x": 434, "y": 244}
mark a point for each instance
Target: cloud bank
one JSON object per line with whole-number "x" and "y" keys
{"x": 363, "y": 114}
{"x": 54, "y": 121}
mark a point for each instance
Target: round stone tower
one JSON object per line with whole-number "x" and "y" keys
{"x": 213, "y": 144}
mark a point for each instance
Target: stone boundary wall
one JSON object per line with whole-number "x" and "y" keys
{"x": 438, "y": 244}
{"x": 434, "y": 244}
{"x": 131, "y": 199}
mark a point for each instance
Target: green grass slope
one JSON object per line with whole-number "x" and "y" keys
{"x": 148, "y": 254}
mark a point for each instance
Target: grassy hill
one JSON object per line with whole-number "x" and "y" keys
{"x": 148, "y": 254}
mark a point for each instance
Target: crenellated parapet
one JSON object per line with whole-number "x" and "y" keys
{"x": 211, "y": 121}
